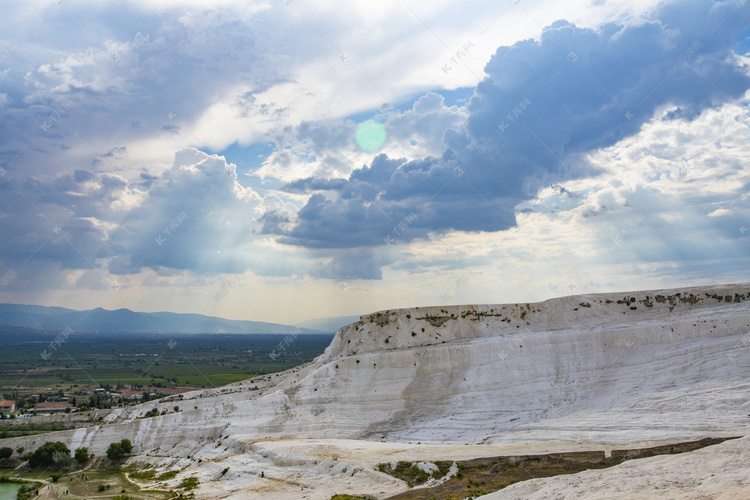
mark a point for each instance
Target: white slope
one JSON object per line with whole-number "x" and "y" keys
{"x": 718, "y": 472}
{"x": 586, "y": 371}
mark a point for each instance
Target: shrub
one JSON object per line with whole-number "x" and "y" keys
{"x": 27, "y": 491}
{"x": 115, "y": 451}
{"x": 224, "y": 471}
{"x": 101, "y": 487}
{"x": 55, "y": 476}
{"x": 82, "y": 455}
{"x": 6, "y": 452}
{"x": 61, "y": 459}
{"x": 44, "y": 456}
{"x": 127, "y": 446}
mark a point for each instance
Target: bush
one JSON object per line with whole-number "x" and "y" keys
{"x": 127, "y": 446}
{"x": 55, "y": 477}
{"x": 82, "y": 455}
{"x": 115, "y": 451}
{"x": 45, "y": 455}
{"x": 61, "y": 459}
{"x": 27, "y": 491}
{"x": 101, "y": 487}
{"x": 6, "y": 452}
{"x": 118, "y": 450}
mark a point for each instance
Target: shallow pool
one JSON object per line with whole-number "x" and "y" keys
{"x": 8, "y": 491}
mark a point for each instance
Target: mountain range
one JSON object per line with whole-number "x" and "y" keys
{"x": 59, "y": 318}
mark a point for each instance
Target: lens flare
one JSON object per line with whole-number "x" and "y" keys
{"x": 370, "y": 136}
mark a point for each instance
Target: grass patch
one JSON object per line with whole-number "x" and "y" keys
{"x": 97, "y": 482}
{"x": 413, "y": 474}
{"x": 168, "y": 475}
{"x": 485, "y": 475}
{"x": 146, "y": 474}
{"x": 189, "y": 483}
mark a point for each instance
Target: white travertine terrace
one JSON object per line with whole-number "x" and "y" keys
{"x": 595, "y": 371}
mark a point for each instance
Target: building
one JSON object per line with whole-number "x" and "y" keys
{"x": 7, "y": 406}
{"x": 50, "y": 408}
{"x": 131, "y": 394}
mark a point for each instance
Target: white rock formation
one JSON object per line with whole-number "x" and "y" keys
{"x": 581, "y": 372}
{"x": 717, "y": 472}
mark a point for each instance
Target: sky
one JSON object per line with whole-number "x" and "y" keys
{"x": 287, "y": 160}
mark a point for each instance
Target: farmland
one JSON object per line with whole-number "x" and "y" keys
{"x": 32, "y": 361}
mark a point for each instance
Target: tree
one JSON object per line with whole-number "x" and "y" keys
{"x": 61, "y": 459}
{"x": 127, "y": 446}
{"x": 115, "y": 451}
{"x": 82, "y": 455}
{"x": 43, "y": 456}
{"x": 6, "y": 452}
{"x": 118, "y": 450}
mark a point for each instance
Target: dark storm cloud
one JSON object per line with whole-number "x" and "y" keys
{"x": 543, "y": 104}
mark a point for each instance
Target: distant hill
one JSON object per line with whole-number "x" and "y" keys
{"x": 328, "y": 324}
{"x": 58, "y": 318}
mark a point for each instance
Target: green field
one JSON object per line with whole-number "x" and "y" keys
{"x": 85, "y": 360}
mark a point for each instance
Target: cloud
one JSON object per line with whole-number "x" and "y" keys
{"x": 542, "y": 106}
{"x": 327, "y": 148}
{"x": 567, "y": 139}
{"x": 720, "y": 212}
{"x": 194, "y": 216}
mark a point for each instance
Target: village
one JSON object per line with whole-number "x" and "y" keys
{"x": 49, "y": 401}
